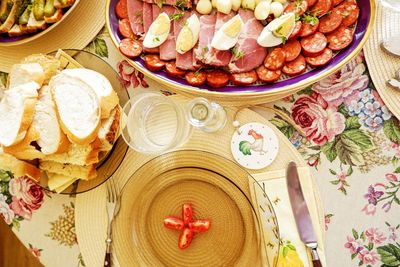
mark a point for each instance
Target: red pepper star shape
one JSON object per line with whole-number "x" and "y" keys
{"x": 187, "y": 224}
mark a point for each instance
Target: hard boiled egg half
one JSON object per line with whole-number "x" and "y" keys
{"x": 158, "y": 31}
{"x": 227, "y": 36}
{"x": 189, "y": 35}
{"x": 277, "y": 30}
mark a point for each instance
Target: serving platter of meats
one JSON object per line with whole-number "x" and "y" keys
{"x": 239, "y": 46}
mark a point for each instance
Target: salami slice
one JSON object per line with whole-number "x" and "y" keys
{"x": 336, "y": 2}
{"x": 244, "y": 78}
{"x": 268, "y": 76}
{"x": 320, "y": 60}
{"x": 173, "y": 71}
{"x": 349, "y": 12}
{"x": 309, "y": 27}
{"x": 153, "y": 62}
{"x": 121, "y": 9}
{"x": 311, "y": 3}
{"x": 292, "y": 50}
{"x": 299, "y": 9}
{"x": 313, "y": 45}
{"x": 330, "y": 22}
{"x": 196, "y": 78}
{"x": 296, "y": 31}
{"x": 275, "y": 59}
{"x": 295, "y": 67}
{"x": 130, "y": 47}
{"x": 124, "y": 28}
{"x": 340, "y": 39}
{"x": 322, "y": 7}
{"x": 217, "y": 78}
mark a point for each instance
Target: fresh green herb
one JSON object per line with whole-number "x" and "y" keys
{"x": 176, "y": 16}
{"x": 278, "y": 31}
{"x": 141, "y": 22}
{"x": 237, "y": 54}
{"x": 310, "y": 18}
{"x": 180, "y": 4}
{"x": 204, "y": 51}
{"x": 297, "y": 17}
{"x": 298, "y": 6}
{"x": 138, "y": 14}
{"x": 161, "y": 3}
{"x": 156, "y": 39}
{"x": 198, "y": 71}
{"x": 284, "y": 39}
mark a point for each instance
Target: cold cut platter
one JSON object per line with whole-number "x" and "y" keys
{"x": 239, "y": 48}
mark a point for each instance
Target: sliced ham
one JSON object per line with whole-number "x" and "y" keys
{"x": 254, "y": 54}
{"x": 147, "y": 20}
{"x": 207, "y": 28}
{"x": 168, "y": 48}
{"x": 148, "y": 1}
{"x": 135, "y": 8}
{"x": 183, "y": 61}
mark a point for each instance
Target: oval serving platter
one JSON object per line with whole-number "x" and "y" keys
{"x": 17, "y": 40}
{"x": 257, "y": 93}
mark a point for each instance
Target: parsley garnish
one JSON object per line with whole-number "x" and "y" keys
{"x": 138, "y": 14}
{"x": 198, "y": 71}
{"x": 180, "y": 4}
{"x": 284, "y": 39}
{"x": 156, "y": 39}
{"x": 279, "y": 29}
{"x": 237, "y": 54}
{"x": 310, "y": 18}
{"x": 176, "y": 16}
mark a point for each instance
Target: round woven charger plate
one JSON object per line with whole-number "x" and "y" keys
{"x": 381, "y": 65}
{"x": 90, "y": 208}
{"x": 75, "y": 31}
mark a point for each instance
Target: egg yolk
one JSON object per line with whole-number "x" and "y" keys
{"x": 233, "y": 29}
{"x": 161, "y": 25}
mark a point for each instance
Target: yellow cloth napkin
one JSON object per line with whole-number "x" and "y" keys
{"x": 292, "y": 252}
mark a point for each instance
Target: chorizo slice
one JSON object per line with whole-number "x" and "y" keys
{"x": 330, "y": 22}
{"x": 313, "y": 45}
{"x": 275, "y": 59}
{"x": 153, "y": 62}
{"x": 244, "y": 78}
{"x": 296, "y": 31}
{"x": 309, "y": 27}
{"x": 217, "y": 78}
{"x": 292, "y": 50}
{"x": 268, "y": 76}
{"x": 173, "y": 71}
{"x": 349, "y": 12}
{"x": 294, "y": 7}
{"x": 322, "y": 7}
{"x": 124, "y": 28}
{"x": 295, "y": 67}
{"x": 196, "y": 78}
{"x": 130, "y": 47}
{"x": 340, "y": 39}
{"x": 320, "y": 60}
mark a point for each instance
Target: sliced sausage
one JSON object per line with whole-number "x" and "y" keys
{"x": 153, "y": 62}
{"x": 275, "y": 59}
{"x": 313, "y": 45}
{"x": 309, "y": 27}
{"x": 173, "y": 71}
{"x": 292, "y": 50}
{"x": 124, "y": 28}
{"x": 349, "y": 12}
{"x": 130, "y": 47}
{"x": 244, "y": 78}
{"x": 320, "y": 60}
{"x": 217, "y": 78}
{"x": 299, "y": 9}
{"x": 321, "y": 7}
{"x": 311, "y": 3}
{"x": 330, "y": 22}
{"x": 268, "y": 76}
{"x": 336, "y": 2}
{"x": 196, "y": 78}
{"x": 295, "y": 67}
{"x": 121, "y": 9}
{"x": 340, "y": 39}
{"x": 296, "y": 31}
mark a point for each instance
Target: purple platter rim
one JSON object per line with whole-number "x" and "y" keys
{"x": 360, "y": 31}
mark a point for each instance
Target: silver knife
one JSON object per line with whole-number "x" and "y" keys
{"x": 301, "y": 213}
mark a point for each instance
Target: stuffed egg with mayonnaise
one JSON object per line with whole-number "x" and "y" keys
{"x": 189, "y": 35}
{"x": 227, "y": 36}
{"x": 277, "y": 31}
{"x": 158, "y": 31}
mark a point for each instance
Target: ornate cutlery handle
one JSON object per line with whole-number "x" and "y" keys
{"x": 107, "y": 259}
{"x": 315, "y": 258}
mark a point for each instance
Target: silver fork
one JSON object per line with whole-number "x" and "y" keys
{"x": 113, "y": 205}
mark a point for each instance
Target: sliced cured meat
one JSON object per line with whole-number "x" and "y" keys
{"x": 309, "y": 27}
{"x": 244, "y": 78}
{"x": 130, "y": 47}
{"x": 275, "y": 59}
{"x": 336, "y": 2}
{"x": 292, "y": 50}
{"x": 147, "y": 20}
{"x": 217, "y": 78}
{"x": 320, "y": 60}
{"x": 296, "y": 31}
{"x": 330, "y": 22}
{"x": 196, "y": 78}
{"x": 173, "y": 71}
{"x": 153, "y": 62}
{"x": 121, "y": 9}
{"x": 349, "y": 12}
{"x": 207, "y": 28}
{"x": 311, "y": 3}
{"x": 168, "y": 48}
{"x": 340, "y": 39}
{"x": 295, "y": 67}
{"x": 253, "y": 53}
{"x": 294, "y": 7}
{"x": 183, "y": 61}
{"x": 216, "y": 57}
{"x": 135, "y": 8}
{"x": 124, "y": 28}
{"x": 321, "y": 7}
{"x": 268, "y": 76}
{"x": 313, "y": 45}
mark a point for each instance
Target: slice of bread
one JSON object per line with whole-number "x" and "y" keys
{"x": 108, "y": 132}
{"x": 78, "y": 154}
{"x": 77, "y": 107}
{"x": 24, "y": 150}
{"x": 15, "y": 31}
{"x": 49, "y": 64}
{"x": 51, "y": 139}
{"x": 17, "y": 108}
{"x": 81, "y": 172}
{"x": 19, "y": 168}
{"x": 58, "y": 182}
{"x": 107, "y": 96}
{"x": 26, "y": 73}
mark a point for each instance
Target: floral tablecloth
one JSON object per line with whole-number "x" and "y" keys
{"x": 348, "y": 137}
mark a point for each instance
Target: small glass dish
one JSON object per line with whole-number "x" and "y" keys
{"x": 155, "y": 123}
